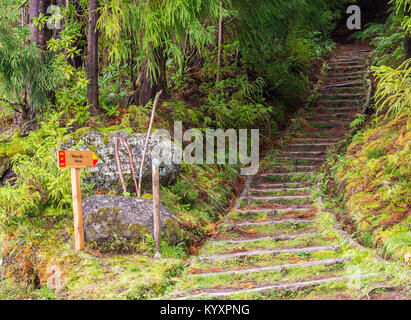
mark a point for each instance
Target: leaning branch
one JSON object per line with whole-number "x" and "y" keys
{"x": 130, "y": 155}
{"x": 140, "y": 176}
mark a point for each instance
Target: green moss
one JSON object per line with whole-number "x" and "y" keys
{"x": 116, "y": 236}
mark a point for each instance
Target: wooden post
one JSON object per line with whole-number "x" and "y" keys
{"x": 77, "y": 209}
{"x": 156, "y": 206}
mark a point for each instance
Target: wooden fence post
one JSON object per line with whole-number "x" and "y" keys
{"x": 156, "y": 207}
{"x": 77, "y": 209}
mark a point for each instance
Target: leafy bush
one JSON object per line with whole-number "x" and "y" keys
{"x": 394, "y": 88}
{"x": 39, "y": 181}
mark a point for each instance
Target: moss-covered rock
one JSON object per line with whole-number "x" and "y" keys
{"x": 125, "y": 223}
{"x": 105, "y": 175}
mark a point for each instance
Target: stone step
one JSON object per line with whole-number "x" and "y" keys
{"x": 344, "y": 102}
{"x": 267, "y": 198}
{"x": 304, "y": 140}
{"x": 284, "y": 174}
{"x": 343, "y": 95}
{"x": 275, "y": 238}
{"x": 345, "y": 62}
{"x": 347, "y": 68}
{"x": 330, "y": 123}
{"x": 337, "y": 110}
{"x": 309, "y": 147}
{"x": 345, "y": 84}
{"x": 289, "y": 167}
{"x": 283, "y": 184}
{"x": 273, "y": 211}
{"x": 317, "y": 160}
{"x": 345, "y": 74}
{"x": 285, "y": 190}
{"x": 276, "y": 287}
{"x": 267, "y": 223}
{"x": 263, "y": 252}
{"x": 351, "y": 90}
{"x": 326, "y": 262}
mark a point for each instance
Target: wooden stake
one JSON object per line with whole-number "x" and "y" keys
{"x": 77, "y": 210}
{"x": 120, "y": 172}
{"x": 156, "y": 205}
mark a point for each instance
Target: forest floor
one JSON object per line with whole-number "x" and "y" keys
{"x": 279, "y": 242}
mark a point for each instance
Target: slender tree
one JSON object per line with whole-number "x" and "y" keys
{"x": 34, "y": 11}
{"x": 92, "y": 58}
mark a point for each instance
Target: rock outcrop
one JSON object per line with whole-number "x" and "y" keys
{"x": 105, "y": 175}
{"x": 109, "y": 217}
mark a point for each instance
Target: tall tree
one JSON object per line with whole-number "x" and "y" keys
{"x": 35, "y": 7}
{"x": 92, "y": 58}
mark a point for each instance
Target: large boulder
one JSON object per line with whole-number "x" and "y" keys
{"x": 110, "y": 217}
{"x": 105, "y": 175}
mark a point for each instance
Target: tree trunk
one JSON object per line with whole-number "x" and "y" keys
{"x": 407, "y": 47}
{"x": 92, "y": 58}
{"x": 220, "y": 44}
{"x": 150, "y": 84}
{"x": 34, "y": 11}
{"x": 37, "y": 36}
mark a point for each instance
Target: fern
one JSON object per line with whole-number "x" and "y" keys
{"x": 394, "y": 88}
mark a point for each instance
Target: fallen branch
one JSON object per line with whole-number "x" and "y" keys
{"x": 140, "y": 176}
{"x": 130, "y": 155}
{"x": 120, "y": 172}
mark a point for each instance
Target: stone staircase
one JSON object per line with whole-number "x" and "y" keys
{"x": 278, "y": 243}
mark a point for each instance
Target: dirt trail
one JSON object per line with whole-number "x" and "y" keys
{"x": 277, "y": 243}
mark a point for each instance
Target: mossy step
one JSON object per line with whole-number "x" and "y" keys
{"x": 266, "y": 223}
{"x": 345, "y": 62}
{"x": 341, "y": 102}
{"x": 302, "y": 160}
{"x": 280, "y": 192}
{"x": 345, "y": 74}
{"x": 343, "y": 95}
{"x": 288, "y": 167}
{"x": 284, "y": 174}
{"x": 216, "y": 293}
{"x": 280, "y": 197}
{"x": 304, "y": 140}
{"x": 343, "y": 116}
{"x": 339, "y": 78}
{"x": 196, "y": 284}
{"x": 238, "y": 216}
{"x": 337, "y": 110}
{"x": 339, "y": 89}
{"x": 273, "y": 237}
{"x": 329, "y": 124}
{"x": 331, "y": 134}
{"x": 291, "y": 185}
{"x": 313, "y": 154}
{"x": 326, "y": 262}
{"x": 283, "y": 177}
{"x": 271, "y": 244}
{"x": 267, "y": 260}
{"x": 308, "y": 147}
{"x": 340, "y": 118}
{"x": 347, "y": 68}
{"x": 269, "y": 252}
{"x": 345, "y": 84}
